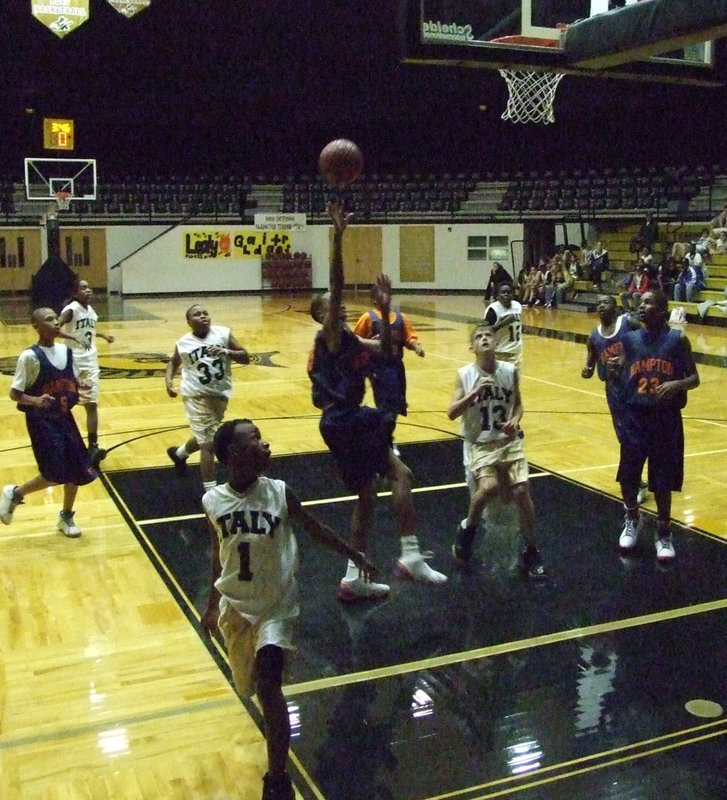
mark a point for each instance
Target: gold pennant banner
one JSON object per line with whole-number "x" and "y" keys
{"x": 61, "y": 16}
{"x": 129, "y": 7}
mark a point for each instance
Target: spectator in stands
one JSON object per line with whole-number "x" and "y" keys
{"x": 667, "y": 275}
{"x": 679, "y": 249}
{"x": 697, "y": 262}
{"x": 686, "y": 285}
{"x": 704, "y": 244}
{"x": 498, "y": 275}
{"x": 640, "y": 283}
{"x": 522, "y": 277}
{"x": 563, "y": 286}
{"x": 532, "y": 286}
{"x": 585, "y": 260}
{"x": 599, "y": 265}
{"x": 720, "y": 221}
{"x": 647, "y": 235}
{"x": 720, "y": 244}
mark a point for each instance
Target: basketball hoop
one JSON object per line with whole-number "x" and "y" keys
{"x": 63, "y": 200}
{"x": 531, "y": 95}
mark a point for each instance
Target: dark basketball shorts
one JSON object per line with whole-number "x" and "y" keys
{"x": 59, "y": 450}
{"x": 655, "y": 435}
{"x": 359, "y": 440}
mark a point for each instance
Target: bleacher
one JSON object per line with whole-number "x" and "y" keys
{"x": 671, "y": 193}
{"x": 622, "y": 260}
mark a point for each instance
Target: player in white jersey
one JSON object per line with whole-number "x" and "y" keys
{"x": 503, "y": 316}
{"x": 487, "y": 398}
{"x": 204, "y": 355}
{"x": 78, "y": 324}
{"x": 254, "y": 597}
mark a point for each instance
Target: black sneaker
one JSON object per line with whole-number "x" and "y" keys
{"x": 180, "y": 464}
{"x": 462, "y": 547}
{"x": 278, "y": 788}
{"x": 532, "y": 565}
{"x": 96, "y": 455}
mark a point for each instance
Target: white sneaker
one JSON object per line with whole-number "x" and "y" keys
{"x": 630, "y": 533}
{"x": 664, "y": 548}
{"x": 643, "y": 493}
{"x": 349, "y": 591}
{"x": 67, "y": 525}
{"x": 414, "y": 567}
{"x": 703, "y": 308}
{"x": 8, "y": 503}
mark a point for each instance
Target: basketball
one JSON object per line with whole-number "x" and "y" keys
{"x": 340, "y": 162}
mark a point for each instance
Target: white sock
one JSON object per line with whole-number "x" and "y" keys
{"x": 207, "y": 485}
{"x": 351, "y": 571}
{"x": 410, "y": 545}
{"x": 182, "y": 452}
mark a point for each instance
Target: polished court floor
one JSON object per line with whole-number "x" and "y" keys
{"x": 607, "y": 681}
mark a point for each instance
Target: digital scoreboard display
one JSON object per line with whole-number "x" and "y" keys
{"x": 58, "y": 134}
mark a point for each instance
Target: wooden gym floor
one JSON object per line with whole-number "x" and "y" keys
{"x": 606, "y": 682}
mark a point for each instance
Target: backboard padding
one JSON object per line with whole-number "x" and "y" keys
{"x": 461, "y": 32}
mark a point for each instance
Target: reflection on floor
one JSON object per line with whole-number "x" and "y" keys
{"x": 488, "y": 686}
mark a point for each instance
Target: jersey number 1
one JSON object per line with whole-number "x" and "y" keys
{"x": 245, "y": 573}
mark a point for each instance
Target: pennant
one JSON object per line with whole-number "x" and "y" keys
{"x": 61, "y": 16}
{"x": 129, "y": 7}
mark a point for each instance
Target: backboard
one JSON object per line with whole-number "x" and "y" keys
{"x": 676, "y": 40}
{"x": 45, "y": 177}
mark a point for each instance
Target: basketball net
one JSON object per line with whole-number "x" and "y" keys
{"x": 63, "y": 201}
{"x": 531, "y": 95}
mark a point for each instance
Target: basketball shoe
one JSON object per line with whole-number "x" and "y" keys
{"x": 630, "y": 532}
{"x": 278, "y": 788}
{"x": 9, "y": 501}
{"x": 353, "y": 590}
{"x": 67, "y": 525}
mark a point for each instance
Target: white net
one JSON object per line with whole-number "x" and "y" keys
{"x": 531, "y": 95}
{"x": 63, "y": 201}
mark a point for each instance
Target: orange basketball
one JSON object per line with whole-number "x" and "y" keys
{"x": 340, "y": 162}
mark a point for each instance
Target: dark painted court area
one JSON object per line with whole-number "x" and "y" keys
{"x": 489, "y": 686}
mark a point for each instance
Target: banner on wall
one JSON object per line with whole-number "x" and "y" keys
{"x": 129, "y": 7}
{"x": 61, "y": 16}
{"x": 235, "y": 244}
{"x": 280, "y": 222}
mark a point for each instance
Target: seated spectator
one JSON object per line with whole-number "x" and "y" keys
{"x": 498, "y": 275}
{"x": 679, "y": 249}
{"x": 667, "y": 275}
{"x": 563, "y": 285}
{"x": 572, "y": 265}
{"x": 720, "y": 221}
{"x": 695, "y": 260}
{"x": 640, "y": 283}
{"x": 522, "y": 277}
{"x": 704, "y": 244}
{"x": 599, "y": 265}
{"x": 686, "y": 284}
{"x": 720, "y": 244}
{"x": 532, "y": 287}
{"x": 585, "y": 260}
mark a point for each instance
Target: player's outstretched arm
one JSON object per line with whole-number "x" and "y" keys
{"x": 324, "y": 535}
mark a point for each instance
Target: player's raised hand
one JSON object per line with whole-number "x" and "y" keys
{"x": 337, "y": 213}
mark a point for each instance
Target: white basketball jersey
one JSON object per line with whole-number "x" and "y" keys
{"x": 258, "y": 549}
{"x": 203, "y": 374}
{"x": 82, "y": 325}
{"x": 509, "y": 338}
{"x": 482, "y": 421}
